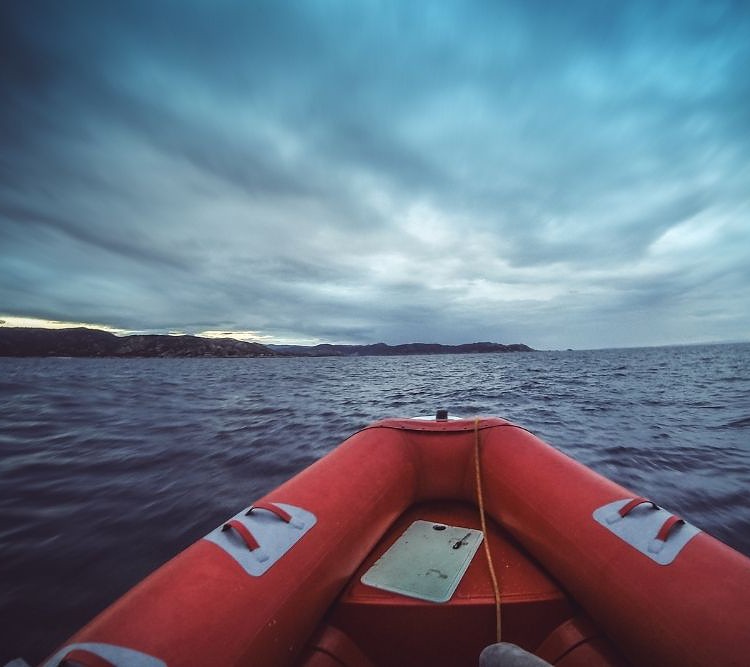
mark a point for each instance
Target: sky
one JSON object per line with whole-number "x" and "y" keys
{"x": 561, "y": 174}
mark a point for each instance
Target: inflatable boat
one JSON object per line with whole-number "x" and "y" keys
{"x": 423, "y": 542}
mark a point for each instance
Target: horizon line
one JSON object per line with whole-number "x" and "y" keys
{"x": 10, "y": 321}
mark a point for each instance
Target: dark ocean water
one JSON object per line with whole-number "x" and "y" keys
{"x": 110, "y": 467}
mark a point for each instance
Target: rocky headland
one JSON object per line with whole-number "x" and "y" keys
{"x": 81, "y": 342}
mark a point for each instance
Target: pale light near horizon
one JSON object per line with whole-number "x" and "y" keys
{"x": 35, "y": 322}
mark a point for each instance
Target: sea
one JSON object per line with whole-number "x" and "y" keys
{"x": 109, "y": 467}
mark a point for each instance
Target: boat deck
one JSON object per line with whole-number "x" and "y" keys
{"x": 371, "y": 626}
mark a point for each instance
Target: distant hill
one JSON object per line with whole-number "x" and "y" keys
{"x": 82, "y": 342}
{"x": 382, "y": 350}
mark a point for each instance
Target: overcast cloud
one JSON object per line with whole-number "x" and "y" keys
{"x": 559, "y": 174}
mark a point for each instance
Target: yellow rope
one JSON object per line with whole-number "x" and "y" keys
{"x": 480, "y": 502}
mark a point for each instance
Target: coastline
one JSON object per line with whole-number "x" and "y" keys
{"x": 85, "y": 342}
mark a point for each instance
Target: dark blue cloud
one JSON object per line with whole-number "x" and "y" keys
{"x": 380, "y": 169}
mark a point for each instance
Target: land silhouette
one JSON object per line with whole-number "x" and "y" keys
{"x": 84, "y": 342}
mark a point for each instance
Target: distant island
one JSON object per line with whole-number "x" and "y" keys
{"x": 84, "y": 342}
{"x": 383, "y": 350}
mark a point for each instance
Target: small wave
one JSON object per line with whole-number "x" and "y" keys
{"x": 739, "y": 423}
{"x": 269, "y": 410}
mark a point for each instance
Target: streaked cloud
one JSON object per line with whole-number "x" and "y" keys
{"x": 565, "y": 176}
